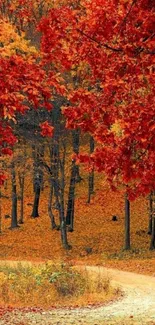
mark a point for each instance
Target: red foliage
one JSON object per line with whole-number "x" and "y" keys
{"x": 110, "y": 51}
{"x": 46, "y": 129}
{"x": 22, "y": 84}
{"x": 114, "y": 44}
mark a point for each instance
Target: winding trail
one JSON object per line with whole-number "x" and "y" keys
{"x": 137, "y": 306}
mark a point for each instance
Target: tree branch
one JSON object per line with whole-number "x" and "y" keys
{"x": 100, "y": 44}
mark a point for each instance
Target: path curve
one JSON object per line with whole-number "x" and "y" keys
{"x": 137, "y": 306}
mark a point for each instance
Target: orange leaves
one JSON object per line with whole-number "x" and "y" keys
{"x": 13, "y": 43}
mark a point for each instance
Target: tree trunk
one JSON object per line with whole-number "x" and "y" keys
{"x": 150, "y": 214}
{"x": 35, "y": 211}
{"x": 0, "y": 211}
{"x": 14, "y": 223}
{"x": 37, "y": 182}
{"x": 61, "y": 217}
{"x": 41, "y": 152}
{"x": 21, "y": 183}
{"x": 71, "y": 199}
{"x": 127, "y": 224}
{"x": 34, "y": 167}
{"x": 75, "y": 178}
{"x": 152, "y": 243}
{"x": 76, "y": 146}
{"x": 91, "y": 174}
{"x": 58, "y": 183}
{"x": 50, "y": 213}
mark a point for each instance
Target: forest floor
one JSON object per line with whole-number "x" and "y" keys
{"x": 35, "y": 241}
{"x": 136, "y": 306}
{"x": 93, "y": 228}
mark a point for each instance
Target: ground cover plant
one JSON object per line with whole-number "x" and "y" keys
{"x": 52, "y": 285}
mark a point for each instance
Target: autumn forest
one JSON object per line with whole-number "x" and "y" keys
{"x": 77, "y": 147}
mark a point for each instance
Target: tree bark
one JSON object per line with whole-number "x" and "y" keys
{"x": 37, "y": 182}
{"x": 150, "y": 214}
{"x": 0, "y": 211}
{"x": 64, "y": 239}
{"x": 152, "y": 243}
{"x": 50, "y": 213}
{"x": 91, "y": 174}
{"x": 14, "y": 222}
{"x": 76, "y": 146}
{"x": 21, "y": 184}
{"x": 71, "y": 198}
{"x": 127, "y": 224}
{"x": 35, "y": 211}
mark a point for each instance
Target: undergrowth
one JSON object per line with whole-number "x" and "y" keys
{"x": 51, "y": 285}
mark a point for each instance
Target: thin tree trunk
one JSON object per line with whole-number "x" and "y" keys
{"x": 71, "y": 199}
{"x": 14, "y": 222}
{"x": 4, "y": 166}
{"x": 64, "y": 239}
{"x": 34, "y": 167}
{"x": 150, "y": 214}
{"x": 127, "y": 224}
{"x": 36, "y": 184}
{"x": 74, "y": 178}
{"x": 58, "y": 186}
{"x": 76, "y": 146}
{"x": 35, "y": 211}
{"x": 91, "y": 174}
{"x": 21, "y": 184}
{"x": 50, "y": 213}
{"x": 41, "y": 152}
{"x": 0, "y": 211}
{"x": 152, "y": 243}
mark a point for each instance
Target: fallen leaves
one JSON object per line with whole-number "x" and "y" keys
{"x": 35, "y": 241}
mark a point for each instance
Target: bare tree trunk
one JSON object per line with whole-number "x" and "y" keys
{"x": 0, "y": 211}
{"x": 14, "y": 222}
{"x": 41, "y": 155}
{"x": 71, "y": 199}
{"x": 91, "y": 174}
{"x": 127, "y": 224}
{"x": 35, "y": 211}
{"x": 50, "y": 213}
{"x": 152, "y": 243}
{"x": 58, "y": 184}
{"x": 21, "y": 184}
{"x": 34, "y": 167}
{"x": 37, "y": 184}
{"x": 61, "y": 216}
{"x": 76, "y": 146}
{"x": 150, "y": 213}
{"x": 4, "y": 166}
{"x": 74, "y": 178}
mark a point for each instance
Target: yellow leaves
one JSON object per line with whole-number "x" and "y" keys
{"x": 116, "y": 128}
{"x": 3, "y": 278}
{"x": 8, "y": 115}
{"x": 12, "y": 43}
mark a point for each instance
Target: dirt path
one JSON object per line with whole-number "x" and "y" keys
{"x": 137, "y": 306}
